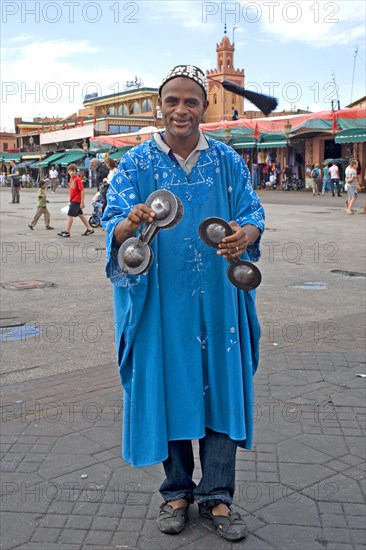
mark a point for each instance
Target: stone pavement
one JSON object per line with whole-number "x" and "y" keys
{"x": 64, "y": 484}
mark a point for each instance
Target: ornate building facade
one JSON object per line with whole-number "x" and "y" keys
{"x": 224, "y": 103}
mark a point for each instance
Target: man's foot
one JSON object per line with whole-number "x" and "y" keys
{"x": 229, "y": 526}
{"x": 30, "y": 227}
{"x": 12, "y": 202}
{"x": 349, "y": 211}
{"x": 49, "y": 227}
{"x": 172, "y": 520}
{"x": 64, "y": 234}
{"x": 87, "y": 232}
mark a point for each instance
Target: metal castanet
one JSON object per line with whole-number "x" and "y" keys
{"x": 241, "y": 273}
{"x": 135, "y": 255}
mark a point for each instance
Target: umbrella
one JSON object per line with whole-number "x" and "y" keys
{"x": 338, "y": 161}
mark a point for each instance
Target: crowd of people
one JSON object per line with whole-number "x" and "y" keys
{"x": 327, "y": 180}
{"x": 103, "y": 174}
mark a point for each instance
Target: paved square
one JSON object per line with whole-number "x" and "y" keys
{"x": 64, "y": 484}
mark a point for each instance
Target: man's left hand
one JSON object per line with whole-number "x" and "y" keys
{"x": 234, "y": 245}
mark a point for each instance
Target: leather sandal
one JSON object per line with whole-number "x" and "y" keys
{"x": 231, "y": 527}
{"x": 172, "y": 521}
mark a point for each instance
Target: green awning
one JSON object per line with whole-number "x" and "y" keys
{"x": 94, "y": 150}
{"x": 70, "y": 157}
{"x": 121, "y": 151}
{"x": 267, "y": 143}
{"x": 51, "y": 159}
{"x": 272, "y": 144}
{"x": 244, "y": 145}
{"x": 352, "y": 135}
{"x": 7, "y": 157}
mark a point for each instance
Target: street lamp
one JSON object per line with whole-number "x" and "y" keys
{"x": 288, "y": 128}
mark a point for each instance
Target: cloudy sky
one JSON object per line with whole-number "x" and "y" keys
{"x": 53, "y": 53}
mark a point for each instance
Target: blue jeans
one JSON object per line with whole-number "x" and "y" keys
{"x": 217, "y": 457}
{"x": 327, "y": 185}
{"x": 336, "y": 185}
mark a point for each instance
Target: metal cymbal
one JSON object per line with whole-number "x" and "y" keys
{"x": 134, "y": 256}
{"x": 213, "y": 230}
{"x": 241, "y": 273}
{"x": 178, "y": 216}
{"x": 165, "y": 205}
{"x": 244, "y": 275}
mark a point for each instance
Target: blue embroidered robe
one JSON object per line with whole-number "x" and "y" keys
{"x": 187, "y": 339}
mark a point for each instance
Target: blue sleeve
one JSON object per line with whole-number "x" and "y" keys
{"x": 245, "y": 204}
{"x": 122, "y": 196}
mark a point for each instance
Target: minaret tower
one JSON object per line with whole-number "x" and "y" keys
{"x": 221, "y": 101}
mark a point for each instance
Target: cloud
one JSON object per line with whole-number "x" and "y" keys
{"x": 20, "y": 38}
{"x": 319, "y": 24}
{"x": 198, "y": 24}
{"x": 239, "y": 45}
{"x": 187, "y": 14}
{"x": 51, "y": 77}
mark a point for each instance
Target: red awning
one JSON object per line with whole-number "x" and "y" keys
{"x": 277, "y": 124}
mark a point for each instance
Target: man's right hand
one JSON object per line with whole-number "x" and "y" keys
{"x": 126, "y": 228}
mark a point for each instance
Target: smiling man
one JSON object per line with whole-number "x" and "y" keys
{"x": 187, "y": 339}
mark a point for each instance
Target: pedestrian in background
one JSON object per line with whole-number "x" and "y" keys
{"x": 334, "y": 176}
{"x": 3, "y": 172}
{"x": 327, "y": 182}
{"x": 53, "y": 178}
{"x": 41, "y": 207}
{"x": 76, "y": 203}
{"x": 316, "y": 175}
{"x": 101, "y": 171}
{"x": 87, "y": 170}
{"x": 15, "y": 183}
{"x": 351, "y": 182}
{"x": 111, "y": 164}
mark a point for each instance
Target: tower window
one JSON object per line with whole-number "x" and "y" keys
{"x": 134, "y": 108}
{"x": 146, "y": 106}
{"x": 122, "y": 110}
